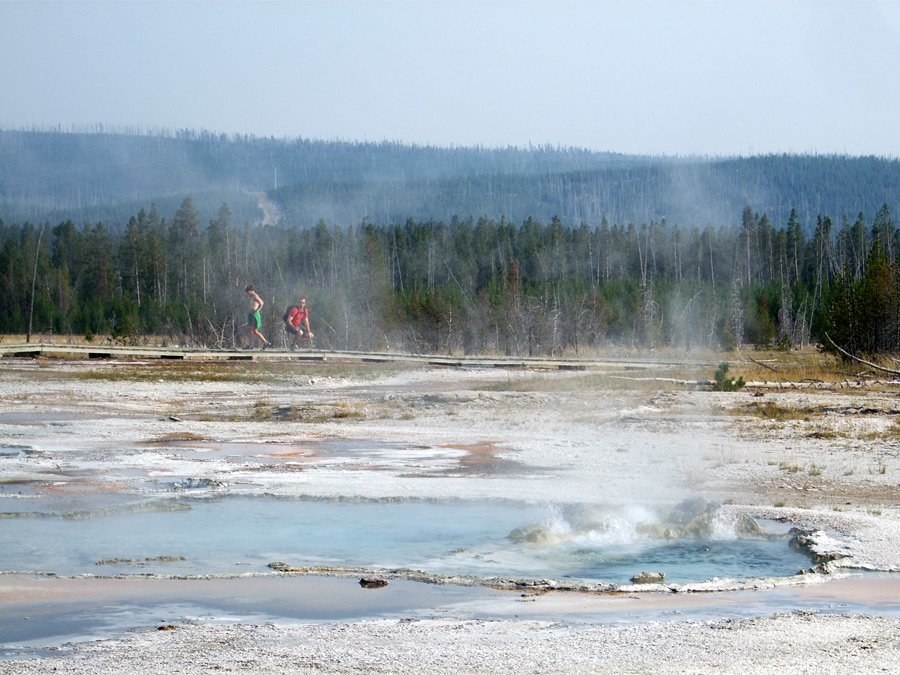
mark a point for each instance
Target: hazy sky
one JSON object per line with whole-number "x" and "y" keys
{"x": 708, "y": 78}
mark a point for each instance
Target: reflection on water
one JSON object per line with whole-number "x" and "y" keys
{"x": 244, "y": 534}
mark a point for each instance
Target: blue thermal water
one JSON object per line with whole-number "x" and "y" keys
{"x": 244, "y": 534}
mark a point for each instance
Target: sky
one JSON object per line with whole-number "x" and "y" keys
{"x": 641, "y": 77}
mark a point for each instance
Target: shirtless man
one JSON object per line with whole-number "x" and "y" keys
{"x": 296, "y": 322}
{"x": 254, "y": 321}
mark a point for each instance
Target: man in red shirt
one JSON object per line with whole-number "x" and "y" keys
{"x": 296, "y": 323}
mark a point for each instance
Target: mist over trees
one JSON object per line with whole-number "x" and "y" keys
{"x": 560, "y": 251}
{"x": 105, "y": 175}
{"x": 462, "y": 286}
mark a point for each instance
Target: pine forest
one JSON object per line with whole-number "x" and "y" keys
{"x": 568, "y": 281}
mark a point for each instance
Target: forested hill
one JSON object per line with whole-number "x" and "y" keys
{"x": 109, "y": 177}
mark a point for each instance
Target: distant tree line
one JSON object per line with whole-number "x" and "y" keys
{"x": 693, "y": 192}
{"x": 107, "y": 176}
{"x": 463, "y": 286}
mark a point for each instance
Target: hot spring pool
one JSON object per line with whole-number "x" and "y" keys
{"x": 244, "y": 534}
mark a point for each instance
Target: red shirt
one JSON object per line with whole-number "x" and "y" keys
{"x": 297, "y": 314}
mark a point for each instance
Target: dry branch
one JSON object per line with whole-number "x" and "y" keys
{"x": 863, "y": 361}
{"x": 760, "y": 363}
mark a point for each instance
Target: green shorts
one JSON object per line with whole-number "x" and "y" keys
{"x": 254, "y": 320}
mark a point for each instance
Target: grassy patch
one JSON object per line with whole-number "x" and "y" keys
{"x": 892, "y": 433}
{"x": 176, "y": 436}
{"x": 264, "y": 411}
{"x": 807, "y": 365}
{"x": 181, "y": 372}
{"x": 824, "y": 433}
{"x": 773, "y": 411}
{"x": 164, "y": 371}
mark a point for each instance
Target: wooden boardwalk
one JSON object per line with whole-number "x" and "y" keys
{"x": 65, "y": 351}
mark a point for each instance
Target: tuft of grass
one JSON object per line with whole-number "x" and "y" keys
{"x": 879, "y": 469}
{"x": 823, "y": 433}
{"x": 814, "y": 470}
{"x": 262, "y": 410}
{"x": 779, "y": 504}
{"x": 790, "y": 468}
{"x": 347, "y": 411}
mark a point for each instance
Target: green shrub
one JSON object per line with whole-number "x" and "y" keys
{"x": 724, "y": 383}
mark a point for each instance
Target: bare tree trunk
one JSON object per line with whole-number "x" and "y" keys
{"x": 137, "y": 284}
{"x": 37, "y": 252}
{"x": 737, "y": 313}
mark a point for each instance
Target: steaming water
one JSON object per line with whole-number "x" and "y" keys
{"x": 244, "y": 534}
